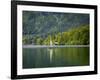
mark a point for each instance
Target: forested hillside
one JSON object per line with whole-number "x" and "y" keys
{"x": 76, "y": 36}
{"x": 61, "y": 28}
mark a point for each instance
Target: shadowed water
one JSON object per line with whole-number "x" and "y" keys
{"x": 55, "y": 57}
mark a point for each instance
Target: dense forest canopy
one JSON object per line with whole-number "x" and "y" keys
{"x": 62, "y": 28}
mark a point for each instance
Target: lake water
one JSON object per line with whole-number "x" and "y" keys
{"x": 55, "y": 57}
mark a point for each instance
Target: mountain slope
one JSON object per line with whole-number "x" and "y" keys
{"x": 44, "y": 23}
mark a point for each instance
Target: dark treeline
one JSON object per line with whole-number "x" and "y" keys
{"x": 77, "y": 36}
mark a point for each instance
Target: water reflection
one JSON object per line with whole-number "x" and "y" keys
{"x": 55, "y": 57}
{"x": 50, "y": 54}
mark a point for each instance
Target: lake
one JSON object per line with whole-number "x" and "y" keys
{"x": 55, "y": 57}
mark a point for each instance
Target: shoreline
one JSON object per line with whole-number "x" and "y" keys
{"x": 52, "y": 46}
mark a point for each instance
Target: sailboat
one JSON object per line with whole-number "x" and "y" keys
{"x": 50, "y": 49}
{"x": 51, "y": 43}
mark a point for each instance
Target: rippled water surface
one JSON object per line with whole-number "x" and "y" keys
{"x": 55, "y": 57}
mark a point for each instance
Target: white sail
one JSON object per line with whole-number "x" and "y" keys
{"x": 51, "y": 41}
